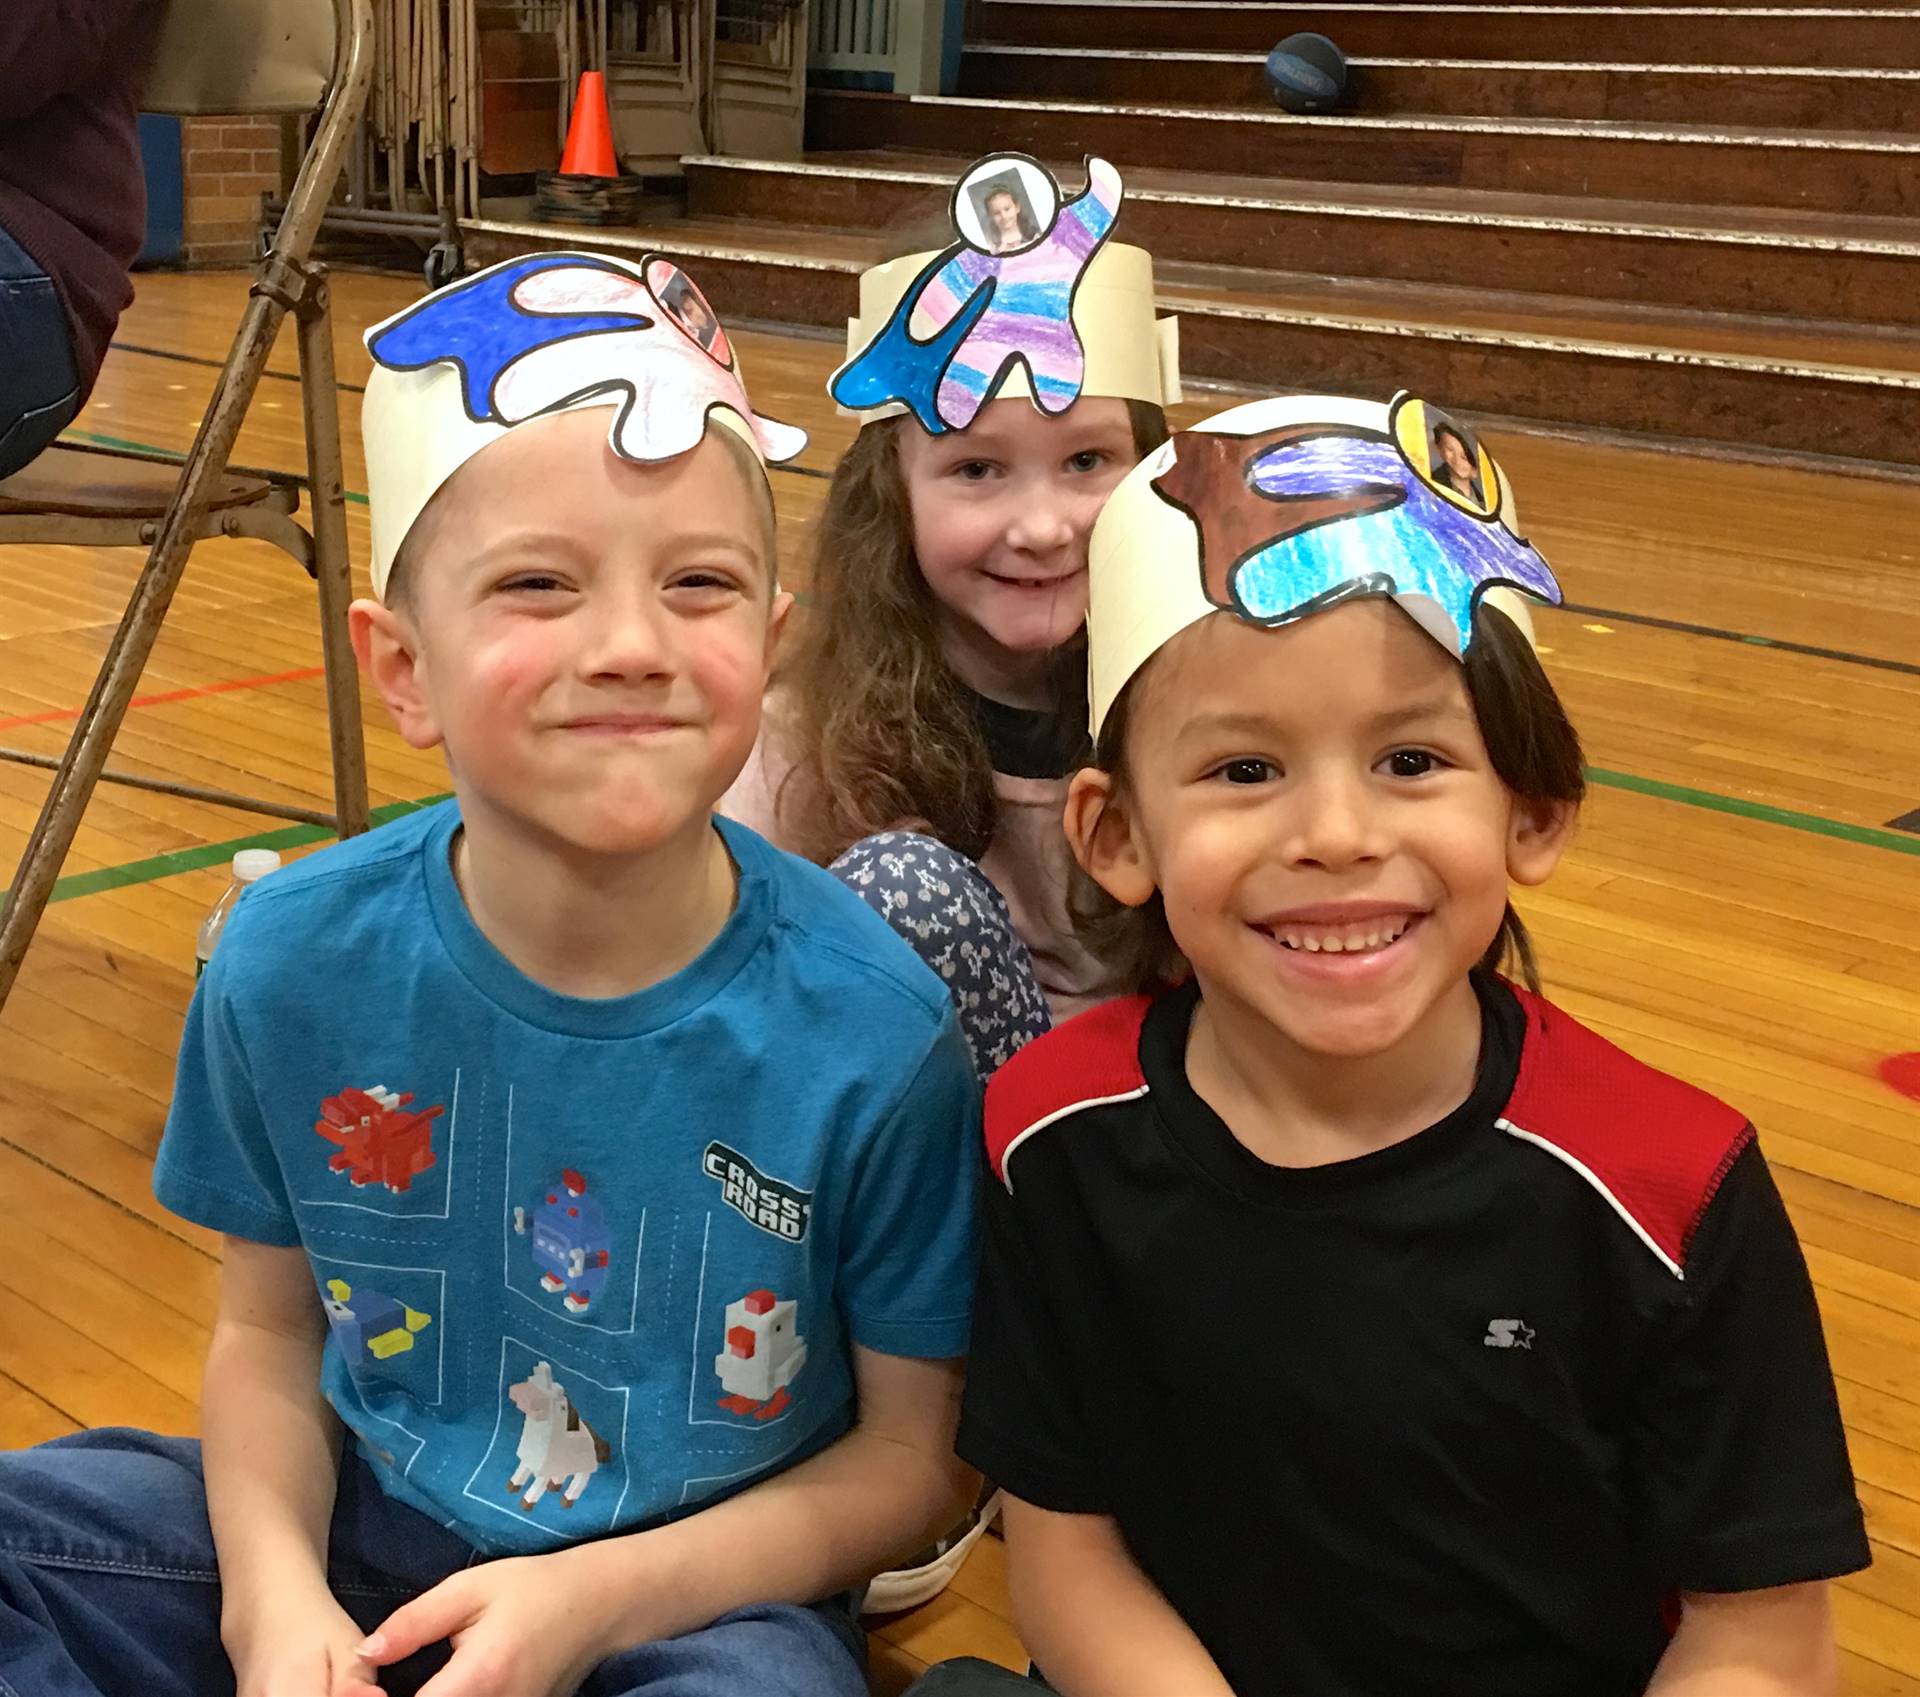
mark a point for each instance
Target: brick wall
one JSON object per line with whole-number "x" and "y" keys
{"x": 227, "y": 164}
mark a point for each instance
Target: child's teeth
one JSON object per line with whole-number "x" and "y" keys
{"x": 1352, "y": 940}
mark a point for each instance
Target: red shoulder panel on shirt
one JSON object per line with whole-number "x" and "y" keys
{"x": 1093, "y": 1058}
{"x": 1654, "y": 1147}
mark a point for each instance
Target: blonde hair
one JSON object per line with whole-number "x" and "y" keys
{"x": 880, "y": 730}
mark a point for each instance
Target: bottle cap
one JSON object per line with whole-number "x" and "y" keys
{"x": 250, "y": 865}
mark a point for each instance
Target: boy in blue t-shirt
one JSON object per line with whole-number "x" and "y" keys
{"x": 602, "y": 1173}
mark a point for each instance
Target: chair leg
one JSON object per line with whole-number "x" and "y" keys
{"x": 326, "y": 491}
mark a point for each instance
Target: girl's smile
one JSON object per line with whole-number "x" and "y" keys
{"x": 1001, "y": 512}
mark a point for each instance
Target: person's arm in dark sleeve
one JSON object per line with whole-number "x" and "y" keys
{"x": 53, "y": 47}
{"x": 1092, "y": 1620}
{"x": 1740, "y": 1461}
{"x": 1021, "y": 1423}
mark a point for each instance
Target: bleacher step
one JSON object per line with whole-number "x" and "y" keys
{"x": 1665, "y": 34}
{"x": 1804, "y": 389}
{"x": 1808, "y": 97}
{"x": 1745, "y": 259}
{"x": 1840, "y": 171}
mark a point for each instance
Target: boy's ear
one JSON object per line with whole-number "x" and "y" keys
{"x": 388, "y": 649}
{"x": 1537, "y": 835}
{"x": 1101, "y": 833}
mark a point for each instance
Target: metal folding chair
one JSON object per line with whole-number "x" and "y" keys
{"x": 216, "y": 57}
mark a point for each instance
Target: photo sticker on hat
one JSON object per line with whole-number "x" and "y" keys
{"x": 687, "y": 307}
{"x": 1006, "y": 204}
{"x": 1447, "y": 454}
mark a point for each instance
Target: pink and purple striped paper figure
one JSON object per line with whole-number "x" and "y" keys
{"x": 999, "y": 299}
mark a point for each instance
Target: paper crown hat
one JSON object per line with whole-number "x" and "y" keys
{"x": 548, "y": 333}
{"x": 1031, "y": 299}
{"x": 1282, "y": 508}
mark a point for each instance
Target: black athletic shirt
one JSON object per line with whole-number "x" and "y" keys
{"x": 1457, "y": 1417}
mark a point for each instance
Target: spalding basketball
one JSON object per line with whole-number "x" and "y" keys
{"x": 1307, "y": 74}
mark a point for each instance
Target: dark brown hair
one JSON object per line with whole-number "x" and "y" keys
{"x": 878, "y": 728}
{"x": 1531, "y": 742}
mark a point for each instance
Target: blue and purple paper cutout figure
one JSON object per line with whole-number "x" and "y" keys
{"x": 1002, "y": 297}
{"x": 549, "y": 331}
{"x": 1298, "y": 519}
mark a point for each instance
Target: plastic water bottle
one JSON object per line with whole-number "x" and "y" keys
{"x": 249, "y": 867}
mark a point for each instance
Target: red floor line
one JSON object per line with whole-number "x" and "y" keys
{"x": 54, "y": 715}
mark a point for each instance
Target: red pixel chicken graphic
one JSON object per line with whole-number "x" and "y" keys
{"x": 382, "y": 1139}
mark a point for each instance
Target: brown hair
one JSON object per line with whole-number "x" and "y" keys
{"x": 1531, "y": 742}
{"x": 879, "y": 728}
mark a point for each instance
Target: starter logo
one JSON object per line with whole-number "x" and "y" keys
{"x": 765, "y": 1202}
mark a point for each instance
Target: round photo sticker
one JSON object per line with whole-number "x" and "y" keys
{"x": 688, "y": 308}
{"x": 1447, "y": 456}
{"x": 1005, "y": 204}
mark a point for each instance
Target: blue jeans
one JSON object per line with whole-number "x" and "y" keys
{"x": 953, "y": 918}
{"x": 109, "y": 1588}
{"x": 39, "y": 384}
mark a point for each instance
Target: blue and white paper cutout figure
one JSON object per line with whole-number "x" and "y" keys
{"x": 548, "y": 331}
{"x": 1301, "y": 517}
{"x": 545, "y": 334}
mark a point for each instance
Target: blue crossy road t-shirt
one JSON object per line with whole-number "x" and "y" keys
{"x": 586, "y": 1264}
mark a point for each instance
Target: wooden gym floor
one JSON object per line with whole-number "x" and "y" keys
{"x": 1739, "y": 907}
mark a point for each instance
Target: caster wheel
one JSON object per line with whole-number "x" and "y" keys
{"x": 443, "y": 265}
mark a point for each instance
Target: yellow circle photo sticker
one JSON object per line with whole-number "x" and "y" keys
{"x": 1446, "y": 455}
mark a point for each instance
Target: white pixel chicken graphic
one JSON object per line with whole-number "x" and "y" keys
{"x": 763, "y": 1355}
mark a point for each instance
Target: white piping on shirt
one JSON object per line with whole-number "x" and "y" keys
{"x": 1594, "y": 1179}
{"x": 1006, "y": 1155}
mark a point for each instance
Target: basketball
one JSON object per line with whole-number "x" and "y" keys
{"x": 1307, "y": 74}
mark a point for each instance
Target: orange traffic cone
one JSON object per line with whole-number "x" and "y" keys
{"x": 590, "y": 136}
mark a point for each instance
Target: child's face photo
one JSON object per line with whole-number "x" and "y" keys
{"x": 593, "y": 635}
{"x": 1001, "y": 512}
{"x": 682, "y": 301}
{"x": 695, "y": 319}
{"x": 1319, "y": 811}
{"x": 1454, "y": 451}
{"x": 999, "y": 208}
{"x": 1004, "y": 211}
{"x": 1455, "y": 462}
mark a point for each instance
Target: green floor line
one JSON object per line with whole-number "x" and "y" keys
{"x": 120, "y": 444}
{"x": 176, "y": 861}
{"x": 298, "y": 836}
{"x": 1870, "y": 835}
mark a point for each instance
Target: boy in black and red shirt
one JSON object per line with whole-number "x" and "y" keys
{"x": 1352, "y": 1321}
